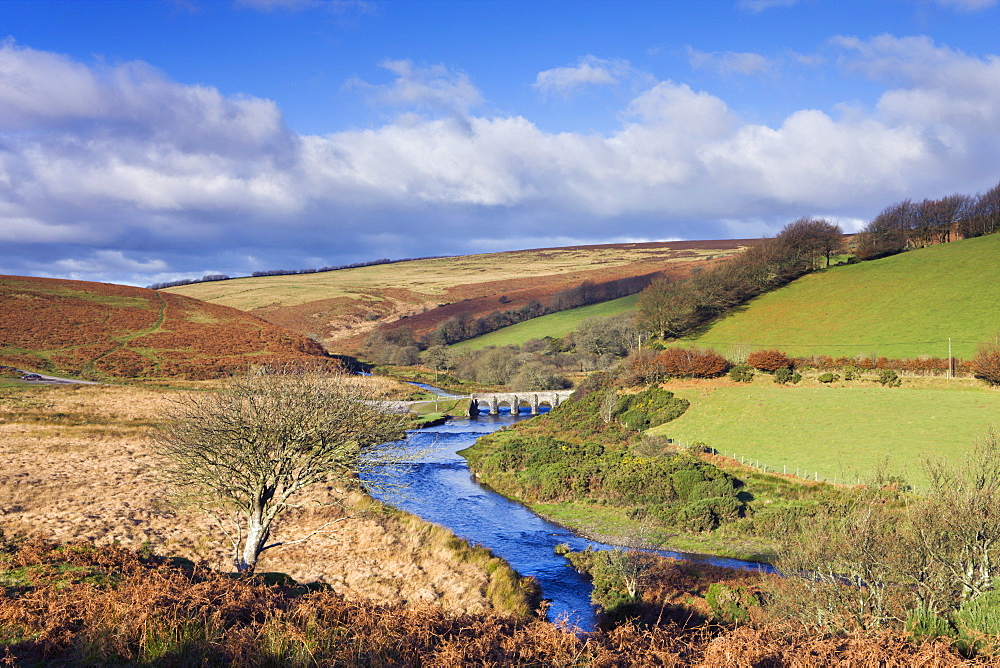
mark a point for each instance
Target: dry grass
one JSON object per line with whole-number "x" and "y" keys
{"x": 72, "y": 604}
{"x": 340, "y": 307}
{"x": 77, "y": 466}
{"x": 436, "y": 277}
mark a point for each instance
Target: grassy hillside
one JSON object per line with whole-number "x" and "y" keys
{"x": 902, "y": 306}
{"x": 843, "y": 431}
{"x": 100, "y": 330}
{"x": 555, "y": 325}
{"x": 341, "y": 307}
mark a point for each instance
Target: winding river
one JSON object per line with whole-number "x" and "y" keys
{"x": 439, "y": 487}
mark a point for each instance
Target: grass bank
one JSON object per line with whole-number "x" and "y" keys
{"x": 906, "y": 305}
{"x": 555, "y": 325}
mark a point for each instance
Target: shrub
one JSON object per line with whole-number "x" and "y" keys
{"x": 786, "y": 375}
{"x": 851, "y": 372}
{"x": 827, "y": 377}
{"x": 923, "y": 624}
{"x": 649, "y": 408}
{"x": 691, "y": 363}
{"x": 978, "y": 623}
{"x": 730, "y": 604}
{"x": 769, "y": 360}
{"x": 986, "y": 363}
{"x": 889, "y": 378}
{"x": 741, "y": 373}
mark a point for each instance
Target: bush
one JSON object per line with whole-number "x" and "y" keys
{"x": 986, "y": 363}
{"x": 923, "y": 624}
{"x": 889, "y": 378}
{"x": 649, "y": 408}
{"x": 786, "y": 375}
{"x": 827, "y": 377}
{"x": 769, "y": 360}
{"x": 730, "y": 604}
{"x": 851, "y": 372}
{"x": 741, "y": 373}
{"x": 978, "y": 623}
{"x": 691, "y": 363}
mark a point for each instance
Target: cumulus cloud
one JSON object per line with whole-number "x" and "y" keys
{"x": 120, "y": 173}
{"x": 729, "y": 62}
{"x": 953, "y": 98}
{"x": 589, "y": 71}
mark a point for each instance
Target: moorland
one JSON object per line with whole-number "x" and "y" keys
{"x": 801, "y": 351}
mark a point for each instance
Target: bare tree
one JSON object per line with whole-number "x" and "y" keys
{"x": 983, "y": 215}
{"x": 806, "y": 240}
{"x": 960, "y": 524}
{"x": 243, "y": 453}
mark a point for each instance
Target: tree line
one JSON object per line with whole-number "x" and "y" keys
{"x": 464, "y": 326}
{"x": 671, "y": 308}
{"x": 908, "y": 224}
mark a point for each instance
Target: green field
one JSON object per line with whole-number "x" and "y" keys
{"x": 842, "y": 432}
{"x": 902, "y": 306}
{"x": 555, "y": 325}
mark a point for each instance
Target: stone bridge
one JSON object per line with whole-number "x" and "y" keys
{"x": 515, "y": 400}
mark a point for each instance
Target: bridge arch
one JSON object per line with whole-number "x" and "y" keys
{"x": 513, "y": 400}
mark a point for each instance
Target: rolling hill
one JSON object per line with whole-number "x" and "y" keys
{"x": 102, "y": 330}
{"x": 555, "y": 325}
{"x": 907, "y": 305}
{"x": 342, "y": 307}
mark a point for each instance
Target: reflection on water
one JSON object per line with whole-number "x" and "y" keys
{"x": 440, "y": 488}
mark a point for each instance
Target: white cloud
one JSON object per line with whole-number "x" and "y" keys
{"x": 433, "y": 88}
{"x": 589, "y": 71}
{"x": 729, "y": 62}
{"x": 132, "y": 174}
{"x": 952, "y": 97}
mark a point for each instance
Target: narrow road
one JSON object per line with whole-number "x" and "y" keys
{"x": 44, "y": 379}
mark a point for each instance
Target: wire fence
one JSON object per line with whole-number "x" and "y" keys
{"x": 799, "y": 471}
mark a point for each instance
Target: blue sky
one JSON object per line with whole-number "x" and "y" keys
{"x": 149, "y": 140}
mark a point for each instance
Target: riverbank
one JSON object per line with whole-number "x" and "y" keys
{"x": 78, "y": 466}
{"x": 601, "y": 525}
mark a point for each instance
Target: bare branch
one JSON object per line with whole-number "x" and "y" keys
{"x": 247, "y": 449}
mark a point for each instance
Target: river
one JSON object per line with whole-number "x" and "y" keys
{"x": 439, "y": 487}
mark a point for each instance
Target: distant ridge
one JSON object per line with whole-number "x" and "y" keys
{"x": 342, "y": 307}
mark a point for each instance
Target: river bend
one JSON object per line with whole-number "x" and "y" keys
{"x": 439, "y": 488}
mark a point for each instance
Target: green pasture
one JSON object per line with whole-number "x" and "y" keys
{"x": 555, "y": 325}
{"x": 843, "y": 432}
{"x": 906, "y": 305}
